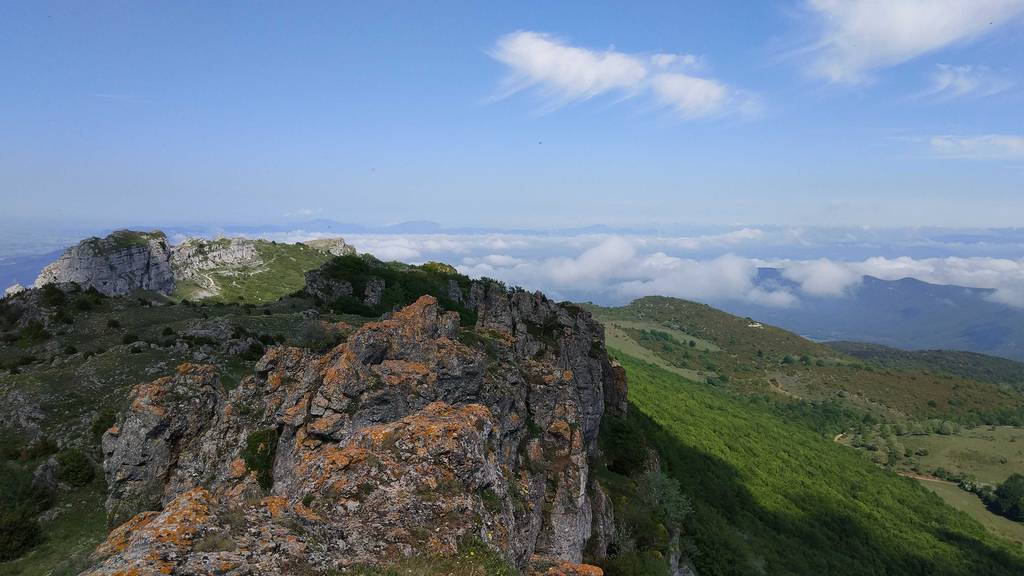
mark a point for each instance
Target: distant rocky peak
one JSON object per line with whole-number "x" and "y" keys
{"x": 115, "y": 265}
{"x": 334, "y": 246}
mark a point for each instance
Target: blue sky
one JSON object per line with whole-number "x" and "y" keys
{"x": 899, "y": 113}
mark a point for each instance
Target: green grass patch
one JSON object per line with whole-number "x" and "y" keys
{"x": 260, "y": 449}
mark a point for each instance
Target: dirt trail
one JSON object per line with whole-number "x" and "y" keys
{"x": 924, "y": 478}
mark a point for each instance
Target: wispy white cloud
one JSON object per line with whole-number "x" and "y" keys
{"x": 859, "y": 36}
{"x": 822, "y": 277}
{"x": 688, "y": 95}
{"x": 954, "y": 81}
{"x": 563, "y": 73}
{"x": 983, "y": 147}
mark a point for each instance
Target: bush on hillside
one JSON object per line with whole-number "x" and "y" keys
{"x": 52, "y": 296}
{"x": 1008, "y": 498}
{"x": 625, "y": 449}
{"x": 75, "y": 468}
{"x": 19, "y": 533}
{"x": 20, "y": 503}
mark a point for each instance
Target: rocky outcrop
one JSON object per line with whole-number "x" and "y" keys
{"x": 193, "y": 259}
{"x": 408, "y": 438}
{"x": 126, "y": 261}
{"x": 13, "y": 289}
{"x": 333, "y": 246}
{"x": 143, "y": 453}
{"x": 119, "y": 264}
{"x": 326, "y": 288}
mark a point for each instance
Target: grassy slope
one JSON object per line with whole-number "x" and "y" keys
{"x": 69, "y": 538}
{"x": 752, "y": 358}
{"x": 775, "y": 498}
{"x": 989, "y": 453}
{"x": 282, "y": 272}
{"x": 972, "y": 365}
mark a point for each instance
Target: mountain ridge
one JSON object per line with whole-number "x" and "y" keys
{"x": 196, "y": 268}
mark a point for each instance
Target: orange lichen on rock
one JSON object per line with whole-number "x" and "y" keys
{"x": 120, "y": 537}
{"x": 145, "y": 396}
{"x": 276, "y": 505}
{"x": 570, "y": 569}
{"x": 237, "y": 469}
{"x": 178, "y": 522}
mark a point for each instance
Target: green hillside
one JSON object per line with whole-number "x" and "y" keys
{"x": 771, "y": 497}
{"x": 981, "y": 367}
{"x": 747, "y": 357}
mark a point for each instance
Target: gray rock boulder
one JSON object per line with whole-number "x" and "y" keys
{"x": 143, "y": 451}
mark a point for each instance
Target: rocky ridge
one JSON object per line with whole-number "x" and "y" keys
{"x": 409, "y": 438}
{"x": 126, "y": 261}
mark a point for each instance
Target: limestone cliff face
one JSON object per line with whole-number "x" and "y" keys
{"x": 116, "y": 265}
{"x": 126, "y": 261}
{"x": 411, "y": 436}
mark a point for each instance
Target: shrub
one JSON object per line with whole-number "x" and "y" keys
{"x": 75, "y": 468}
{"x": 52, "y": 296}
{"x": 663, "y": 494}
{"x": 258, "y": 454}
{"x": 42, "y": 447}
{"x": 19, "y": 533}
{"x": 33, "y": 333}
{"x": 1009, "y": 498}
{"x": 624, "y": 446}
{"x": 20, "y": 502}
{"x": 103, "y": 421}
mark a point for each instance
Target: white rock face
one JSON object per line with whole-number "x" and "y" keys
{"x": 194, "y": 257}
{"x": 334, "y": 246}
{"x": 13, "y": 289}
{"x": 116, "y": 265}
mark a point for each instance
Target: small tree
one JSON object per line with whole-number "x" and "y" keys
{"x": 75, "y": 468}
{"x": 1009, "y": 498}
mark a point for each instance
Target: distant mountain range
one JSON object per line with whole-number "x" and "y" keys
{"x": 907, "y": 313}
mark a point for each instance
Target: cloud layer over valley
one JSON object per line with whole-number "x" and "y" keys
{"x": 713, "y": 265}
